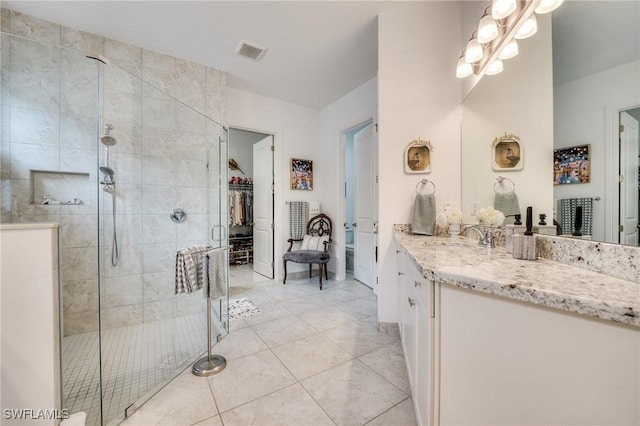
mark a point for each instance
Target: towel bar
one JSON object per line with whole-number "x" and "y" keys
{"x": 500, "y": 180}
{"x": 424, "y": 182}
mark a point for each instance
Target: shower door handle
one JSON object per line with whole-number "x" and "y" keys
{"x": 222, "y": 234}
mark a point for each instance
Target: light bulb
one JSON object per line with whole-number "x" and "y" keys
{"x": 474, "y": 51}
{"x": 500, "y": 9}
{"x": 547, "y": 6}
{"x": 509, "y": 51}
{"x": 496, "y": 67}
{"x": 487, "y": 29}
{"x": 527, "y": 29}
{"x": 464, "y": 69}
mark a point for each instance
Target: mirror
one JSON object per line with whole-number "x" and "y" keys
{"x": 513, "y": 109}
{"x": 595, "y": 68}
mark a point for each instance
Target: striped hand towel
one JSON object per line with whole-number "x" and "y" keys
{"x": 507, "y": 203}
{"x": 424, "y": 214}
{"x": 298, "y": 217}
{"x": 214, "y": 273}
{"x": 188, "y": 268}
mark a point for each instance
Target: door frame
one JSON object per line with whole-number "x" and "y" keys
{"x": 340, "y": 236}
{"x": 275, "y": 214}
{"x": 612, "y": 162}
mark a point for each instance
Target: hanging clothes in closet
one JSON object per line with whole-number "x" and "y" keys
{"x": 241, "y": 207}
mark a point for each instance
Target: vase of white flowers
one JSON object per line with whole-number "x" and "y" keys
{"x": 490, "y": 217}
{"x": 450, "y": 218}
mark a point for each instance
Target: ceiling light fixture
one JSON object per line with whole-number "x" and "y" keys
{"x": 474, "y": 51}
{"x": 464, "y": 69}
{"x": 495, "y": 67}
{"x": 496, "y": 38}
{"x": 547, "y": 6}
{"x": 501, "y": 9}
{"x": 487, "y": 29}
{"x": 510, "y": 50}
{"x": 529, "y": 28}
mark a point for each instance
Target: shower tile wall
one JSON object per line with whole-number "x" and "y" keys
{"x": 159, "y": 162}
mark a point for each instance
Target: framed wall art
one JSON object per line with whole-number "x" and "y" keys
{"x": 507, "y": 153}
{"x": 417, "y": 156}
{"x": 301, "y": 174}
{"x": 571, "y": 165}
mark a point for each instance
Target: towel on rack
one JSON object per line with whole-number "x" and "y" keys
{"x": 507, "y": 203}
{"x": 568, "y": 212}
{"x": 188, "y": 268}
{"x": 214, "y": 275}
{"x": 424, "y": 214}
{"x": 298, "y": 217}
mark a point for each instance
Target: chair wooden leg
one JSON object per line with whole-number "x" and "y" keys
{"x": 284, "y": 281}
{"x": 320, "y": 270}
{"x": 326, "y": 274}
{"x": 310, "y": 265}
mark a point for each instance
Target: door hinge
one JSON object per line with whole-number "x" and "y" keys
{"x": 273, "y": 226}
{"x": 376, "y": 178}
{"x": 376, "y": 254}
{"x": 621, "y": 128}
{"x": 272, "y": 265}
{"x": 272, "y": 148}
{"x": 621, "y": 228}
{"x": 376, "y": 126}
{"x": 621, "y": 178}
{"x": 376, "y": 280}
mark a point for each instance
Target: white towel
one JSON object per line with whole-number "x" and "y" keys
{"x": 188, "y": 268}
{"x": 214, "y": 274}
{"x": 507, "y": 203}
{"x": 424, "y": 214}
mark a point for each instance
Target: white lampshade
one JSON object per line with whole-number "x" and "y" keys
{"x": 496, "y": 67}
{"x": 464, "y": 69}
{"x": 547, "y": 6}
{"x": 487, "y": 29}
{"x": 474, "y": 51}
{"x": 500, "y": 9}
{"x": 509, "y": 51}
{"x": 528, "y": 29}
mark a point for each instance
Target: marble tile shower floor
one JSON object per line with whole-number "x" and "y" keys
{"x": 310, "y": 358}
{"x": 136, "y": 359}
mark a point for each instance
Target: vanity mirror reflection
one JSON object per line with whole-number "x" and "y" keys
{"x": 572, "y": 84}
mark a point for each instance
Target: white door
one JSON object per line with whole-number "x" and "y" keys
{"x": 263, "y": 207}
{"x": 364, "y": 241}
{"x": 629, "y": 182}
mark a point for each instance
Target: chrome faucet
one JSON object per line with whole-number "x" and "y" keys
{"x": 486, "y": 235}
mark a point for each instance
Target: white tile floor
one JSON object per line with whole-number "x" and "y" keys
{"x": 311, "y": 358}
{"x": 136, "y": 359}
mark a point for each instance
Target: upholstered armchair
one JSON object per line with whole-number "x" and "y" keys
{"x": 314, "y": 248}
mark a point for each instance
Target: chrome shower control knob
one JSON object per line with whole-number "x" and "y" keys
{"x": 178, "y": 215}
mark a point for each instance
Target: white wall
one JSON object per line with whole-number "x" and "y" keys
{"x": 419, "y": 96}
{"x": 356, "y": 107}
{"x": 296, "y": 133}
{"x": 579, "y": 117}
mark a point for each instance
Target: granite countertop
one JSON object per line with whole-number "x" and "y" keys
{"x": 461, "y": 262}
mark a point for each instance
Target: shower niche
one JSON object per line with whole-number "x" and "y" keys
{"x": 51, "y": 187}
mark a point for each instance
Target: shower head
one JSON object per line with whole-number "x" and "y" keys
{"x": 108, "y": 172}
{"x": 108, "y": 140}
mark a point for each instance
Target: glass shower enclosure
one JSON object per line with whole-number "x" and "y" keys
{"x": 133, "y": 175}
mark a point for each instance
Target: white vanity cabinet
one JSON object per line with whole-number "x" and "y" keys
{"x": 504, "y": 362}
{"x": 416, "y": 303}
{"x": 482, "y": 359}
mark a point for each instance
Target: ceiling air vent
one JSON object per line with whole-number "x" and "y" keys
{"x": 250, "y": 50}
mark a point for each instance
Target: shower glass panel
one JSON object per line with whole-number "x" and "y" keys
{"x": 167, "y": 158}
{"x": 49, "y": 173}
{"x": 125, "y": 333}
